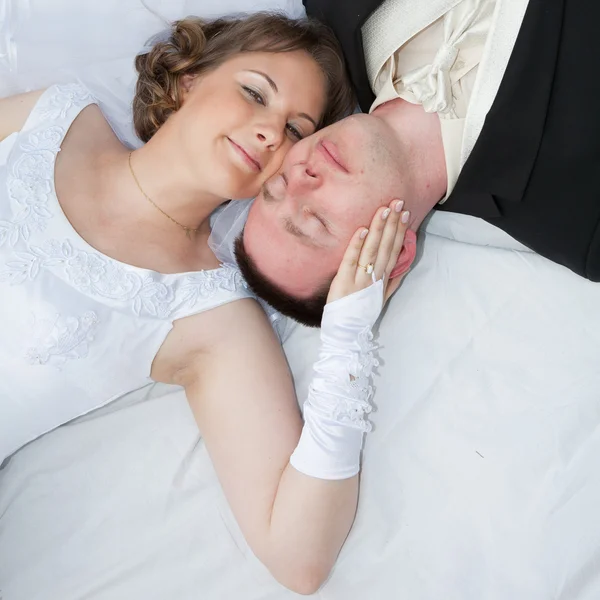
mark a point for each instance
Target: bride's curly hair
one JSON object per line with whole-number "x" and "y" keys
{"x": 196, "y": 46}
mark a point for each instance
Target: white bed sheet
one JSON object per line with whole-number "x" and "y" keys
{"x": 481, "y": 479}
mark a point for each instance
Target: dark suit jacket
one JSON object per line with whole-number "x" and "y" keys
{"x": 535, "y": 169}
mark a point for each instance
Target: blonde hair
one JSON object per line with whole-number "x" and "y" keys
{"x": 196, "y": 46}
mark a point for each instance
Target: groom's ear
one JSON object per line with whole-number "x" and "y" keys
{"x": 407, "y": 255}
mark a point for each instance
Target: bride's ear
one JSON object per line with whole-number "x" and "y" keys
{"x": 407, "y": 255}
{"x": 186, "y": 84}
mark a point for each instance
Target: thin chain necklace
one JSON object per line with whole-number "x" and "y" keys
{"x": 188, "y": 230}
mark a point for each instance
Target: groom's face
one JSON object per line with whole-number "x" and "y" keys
{"x": 330, "y": 184}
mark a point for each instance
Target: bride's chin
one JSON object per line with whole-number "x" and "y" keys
{"x": 243, "y": 190}
{"x": 234, "y": 184}
{"x": 239, "y": 192}
{"x": 229, "y": 185}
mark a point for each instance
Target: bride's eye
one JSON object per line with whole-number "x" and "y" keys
{"x": 256, "y": 96}
{"x": 294, "y": 132}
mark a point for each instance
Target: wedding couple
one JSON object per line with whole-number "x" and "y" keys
{"x": 109, "y": 276}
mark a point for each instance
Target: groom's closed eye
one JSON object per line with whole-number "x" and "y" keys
{"x": 292, "y": 228}
{"x": 266, "y": 193}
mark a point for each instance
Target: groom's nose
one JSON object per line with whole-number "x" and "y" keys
{"x": 302, "y": 178}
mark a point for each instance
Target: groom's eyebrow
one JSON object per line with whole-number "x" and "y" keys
{"x": 293, "y": 229}
{"x": 304, "y": 238}
{"x": 288, "y": 224}
{"x": 267, "y": 193}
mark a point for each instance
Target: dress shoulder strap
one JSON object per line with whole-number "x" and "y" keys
{"x": 58, "y": 105}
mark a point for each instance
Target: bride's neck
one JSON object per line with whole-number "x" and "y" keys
{"x": 160, "y": 175}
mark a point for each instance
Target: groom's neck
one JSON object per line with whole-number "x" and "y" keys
{"x": 421, "y": 152}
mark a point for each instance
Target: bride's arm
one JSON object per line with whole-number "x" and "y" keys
{"x": 293, "y": 490}
{"x": 14, "y": 111}
{"x": 242, "y": 397}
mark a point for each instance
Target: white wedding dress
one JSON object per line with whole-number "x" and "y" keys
{"x": 79, "y": 329}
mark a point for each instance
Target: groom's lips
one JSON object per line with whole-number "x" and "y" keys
{"x": 332, "y": 155}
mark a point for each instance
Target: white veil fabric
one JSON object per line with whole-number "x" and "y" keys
{"x": 161, "y": 36}
{"x": 227, "y": 224}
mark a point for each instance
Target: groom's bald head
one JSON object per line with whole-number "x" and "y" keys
{"x": 299, "y": 226}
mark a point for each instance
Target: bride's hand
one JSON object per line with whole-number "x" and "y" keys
{"x": 372, "y": 252}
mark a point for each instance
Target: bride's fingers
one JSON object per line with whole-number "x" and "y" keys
{"x": 370, "y": 249}
{"x": 344, "y": 283}
{"x": 388, "y": 239}
{"x": 398, "y": 241}
{"x": 347, "y": 270}
{"x": 371, "y": 253}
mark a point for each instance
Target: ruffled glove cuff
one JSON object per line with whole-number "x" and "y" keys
{"x": 338, "y": 398}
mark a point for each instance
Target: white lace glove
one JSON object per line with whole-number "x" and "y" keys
{"x": 338, "y": 398}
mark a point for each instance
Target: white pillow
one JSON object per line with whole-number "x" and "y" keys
{"x": 42, "y": 43}
{"x": 469, "y": 230}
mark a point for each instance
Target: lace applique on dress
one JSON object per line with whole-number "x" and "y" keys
{"x": 64, "y": 301}
{"x": 203, "y": 284}
{"x": 30, "y": 179}
{"x": 30, "y": 186}
{"x": 101, "y": 276}
{"x": 65, "y": 338}
{"x": 65, "y": 97}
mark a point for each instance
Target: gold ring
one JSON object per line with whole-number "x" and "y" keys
{"x": 368, "y": 268}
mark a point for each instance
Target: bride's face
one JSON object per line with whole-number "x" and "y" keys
{"x": 238, "y": 121}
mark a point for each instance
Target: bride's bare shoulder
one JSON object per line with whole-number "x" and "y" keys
{"x": 242, "y": 323}
{"x": 14, "y": 111}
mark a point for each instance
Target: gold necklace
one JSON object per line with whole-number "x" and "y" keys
{"x": 188, "y": 230}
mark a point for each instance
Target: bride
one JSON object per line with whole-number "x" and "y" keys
{"x": 108, "y": 280}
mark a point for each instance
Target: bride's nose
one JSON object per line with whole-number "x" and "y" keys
{"x": 270, "y": 134}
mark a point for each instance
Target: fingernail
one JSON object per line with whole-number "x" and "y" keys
{"x": 399, "y": 206}
{"x": 405, "y": 216}
{"x": 385, "y": 214}
{"x": 363, "y": 234}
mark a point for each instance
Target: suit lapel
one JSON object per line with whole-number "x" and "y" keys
{"x": 503, "y": 34}
{"x": 504, "y": 154}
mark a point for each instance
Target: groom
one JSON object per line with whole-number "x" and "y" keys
{"x": 484, "y": 105}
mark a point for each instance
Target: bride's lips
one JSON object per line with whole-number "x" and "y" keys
{"x": 331, "y": 153}
{"x": 251, "y": 159}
